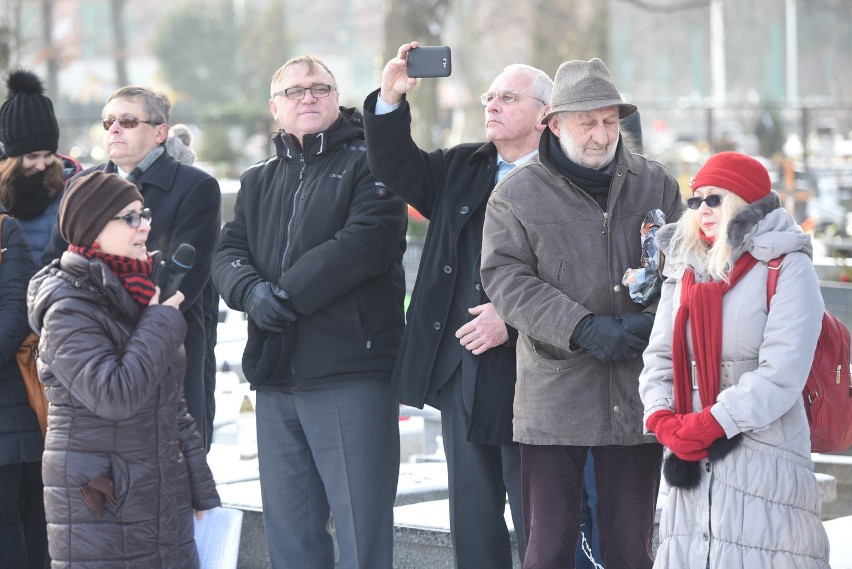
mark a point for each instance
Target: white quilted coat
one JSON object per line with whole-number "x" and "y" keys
{"x": 759, "y": 506}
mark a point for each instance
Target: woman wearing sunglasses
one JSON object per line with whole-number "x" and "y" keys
{"x": 723, "y": 379}
{"x": 123, "y": 466}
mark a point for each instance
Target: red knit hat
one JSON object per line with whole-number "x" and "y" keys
{"x": 735, "y": 172}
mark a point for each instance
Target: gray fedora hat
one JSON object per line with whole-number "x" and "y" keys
{"x": 585, "y": 86}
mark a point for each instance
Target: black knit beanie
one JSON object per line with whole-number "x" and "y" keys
{"x": 90, "y": 202}
{"x": 27, "y": 122}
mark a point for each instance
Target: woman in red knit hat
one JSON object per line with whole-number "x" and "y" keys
{"x": 723, "y": 378}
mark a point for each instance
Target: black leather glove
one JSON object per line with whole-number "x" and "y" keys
{"x": 266, "y": 304}
{"x": 604, "y": 338}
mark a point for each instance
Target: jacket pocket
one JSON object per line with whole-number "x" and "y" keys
{"x": 554, "y": 357}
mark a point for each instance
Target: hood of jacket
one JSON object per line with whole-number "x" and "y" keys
{"x": 349, "y": 125}
{"x": 75, "y": 276}
{"x": 763, "y": 228}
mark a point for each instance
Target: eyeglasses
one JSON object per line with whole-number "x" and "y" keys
{"x": 506, "y": 97}
{"x": 296, "y": 93}
{"x": 128, "y": 122}
{"x": 713, "y": 200}
{"x": 134, "y": 219}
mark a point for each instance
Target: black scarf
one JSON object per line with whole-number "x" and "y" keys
{"x": 596, "y": 182}
{"x": 30, "y": 197}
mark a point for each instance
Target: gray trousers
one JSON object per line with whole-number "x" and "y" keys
{"x": 331, "y": 448}
{"x": 480, "y": 476}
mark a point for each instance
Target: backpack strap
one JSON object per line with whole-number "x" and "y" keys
{"x": 772, "y": 278}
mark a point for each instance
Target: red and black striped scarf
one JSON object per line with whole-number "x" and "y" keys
{"x": 701, "y": 306}
{"x": 135, "y": 275}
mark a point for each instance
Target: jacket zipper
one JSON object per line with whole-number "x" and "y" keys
{"x": 291, "y": 223}
{"x": 362, "y": 319}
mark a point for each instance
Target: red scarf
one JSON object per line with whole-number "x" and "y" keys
{"x": 135, "y": 275}
{"x": 701, "y": 306}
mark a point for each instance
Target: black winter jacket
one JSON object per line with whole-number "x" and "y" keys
{"x": 450, "y": 188}
{"x": 20, "y": 437}
{"x": 317, "y": 223}
{"x": 113, "y": 374}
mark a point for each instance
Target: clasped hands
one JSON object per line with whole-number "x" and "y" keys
{"x": 613, "y": 339}
{"x": 269, "y": 307}
{"x": 687, "y": 435}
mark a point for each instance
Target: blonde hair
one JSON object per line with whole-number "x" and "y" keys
{"x": 713, "y": 260}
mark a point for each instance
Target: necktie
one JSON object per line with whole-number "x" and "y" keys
{"x": 503, "y": 169}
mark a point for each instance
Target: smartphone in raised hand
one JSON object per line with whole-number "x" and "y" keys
{"x": 429, "y": 61}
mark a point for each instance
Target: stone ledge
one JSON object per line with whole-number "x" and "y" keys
{"x": 839, "y": 468}
{"x": 422, "y": 536}
{"x": 838, "y": 531}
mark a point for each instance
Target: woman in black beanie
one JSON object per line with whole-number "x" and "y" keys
{"x": 32, "y": 174}
{"x": 124, "y": 467}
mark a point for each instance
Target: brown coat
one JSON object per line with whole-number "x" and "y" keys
{"x": 114, "y": 378}
{"x": 550, "y": 256}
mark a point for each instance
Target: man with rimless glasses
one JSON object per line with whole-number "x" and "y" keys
{"x": 182, "y": 205}
{"x": 314, "y": 257}
{"x": 457, "y": 355}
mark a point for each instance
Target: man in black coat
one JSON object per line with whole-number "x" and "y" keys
{"x": 313, "y": 256}
{"x": 457, "y": 354}
{"x": 184, "y": 202}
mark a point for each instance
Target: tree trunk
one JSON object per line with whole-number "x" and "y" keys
{"x": 120, "y": 42}
{"x": 405, "y": 22}
{"x": 51, "y": 59}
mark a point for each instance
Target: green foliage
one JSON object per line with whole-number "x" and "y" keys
{"x": 214, "y": 55}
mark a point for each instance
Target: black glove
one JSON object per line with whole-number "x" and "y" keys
{"x": 604, "y": 338}
{"x": 637, "y": 324}
{"x": 266, "y": 305}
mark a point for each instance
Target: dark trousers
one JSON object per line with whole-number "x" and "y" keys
{"x": 23, "y": 531}
{"x": 210, "y": 303}
{"x": 588, "y": 551}
{"x": 627, "y": 480}
{"x": 195, "y": 347}
{"x": 331, "y": 448}
{"x": 479, "y": 476}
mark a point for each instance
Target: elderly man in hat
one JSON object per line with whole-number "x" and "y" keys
{"x": 559, "y": 234}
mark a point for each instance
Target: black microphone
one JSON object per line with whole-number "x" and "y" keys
{"x": 174, "y": 270}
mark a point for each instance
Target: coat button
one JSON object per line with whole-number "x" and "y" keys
{"x": 437, "y": 325}
{"x": 464, "y": 210}
{"x": 617, "y": 408}
{"x": 448, "y": 269}
{"x": 477, "y": 286}
{"x": 617, "y": 288}
{"x": 706, "y": 536}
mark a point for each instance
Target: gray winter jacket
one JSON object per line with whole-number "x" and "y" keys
{"x": 114, "y": 377}
{"x": 759, "y": 506}
{"x": 550, "y": 256}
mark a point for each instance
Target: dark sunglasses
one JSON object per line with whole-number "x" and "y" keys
{"x": 713, "y": 200}
{"x": 134, "y": 218}
{"x": 130, "y": 122}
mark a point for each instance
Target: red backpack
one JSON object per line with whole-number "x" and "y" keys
{"x": 828, "y": 390}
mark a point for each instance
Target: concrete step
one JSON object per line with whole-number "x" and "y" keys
{"x": 421, "y": 533}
